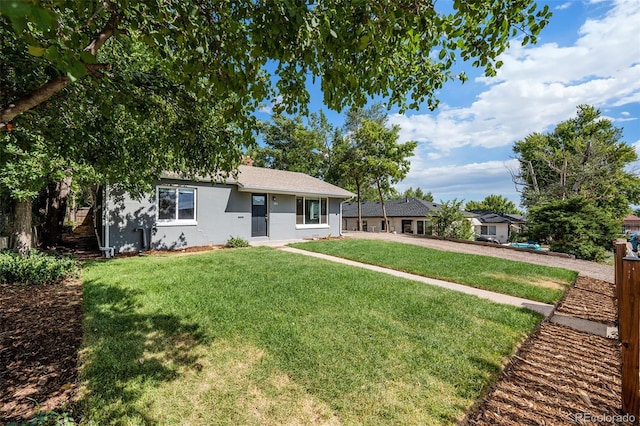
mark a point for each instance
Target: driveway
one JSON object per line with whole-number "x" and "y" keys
{"x": 589, "y": 269}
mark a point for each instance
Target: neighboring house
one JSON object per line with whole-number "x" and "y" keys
{"x": 407, "y": 216}
{"x": 631, "y": 224}
{"x": 500, "y": 226}
{"x": 260, "y": 204}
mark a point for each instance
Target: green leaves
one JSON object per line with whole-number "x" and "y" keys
{"x": 582, "y": 159}
{"x": 36, "y": 50}
{"x": 403, "y": 53}
{"x": 493, "y": 203}
{"x": 575, "y": 225}
{"x": 449, "y": 221}
{"x": 20, "y": 12}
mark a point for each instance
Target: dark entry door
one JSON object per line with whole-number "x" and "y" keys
{"x": 258, "y": 215}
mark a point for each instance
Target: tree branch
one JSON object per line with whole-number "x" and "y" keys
{"x": 46, "y": 91}
{"x": 32, "y": 99}
{"x": 107, "y": 32}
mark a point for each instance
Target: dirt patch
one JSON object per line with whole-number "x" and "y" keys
{"x": 558, "y": 377}
{"x": 546, "y": 283}
{"x": 186, "y": 250}
{"x": 40, "y": 334}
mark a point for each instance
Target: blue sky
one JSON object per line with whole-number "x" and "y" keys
{"x": 588, "y": 54}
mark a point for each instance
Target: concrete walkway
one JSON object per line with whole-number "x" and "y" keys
{"x": 547, "y": 310}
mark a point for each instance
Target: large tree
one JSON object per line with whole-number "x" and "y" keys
{"x": 417, "y": 193}
{"x": 356, "y": 48}
{"x": 495, "y": 204}
{"x": 92, "y": 127}
{"x": 386, "y": 161}
{"x": 215, "y": 54}
{"x": 291, "y": 144}
{"x": 580, "y": 167}
{"x": 582, "y": 157}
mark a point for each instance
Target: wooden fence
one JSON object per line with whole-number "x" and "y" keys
{"x": 627, "y": 280}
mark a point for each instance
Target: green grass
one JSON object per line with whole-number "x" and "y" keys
{"x": 259, "y": 336}
{"x": 533, "y": 282}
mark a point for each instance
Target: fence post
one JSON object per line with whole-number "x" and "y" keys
{"x": 629, "y": 332}
{"x": 620, "y": 251}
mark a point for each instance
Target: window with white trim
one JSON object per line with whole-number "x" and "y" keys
{"x": 311, "y": 211}
{"x": 176, "y": 205}
{"x": 488, "y": 230}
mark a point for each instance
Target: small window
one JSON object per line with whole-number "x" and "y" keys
{"x": 488, "y": 230}
{"x": 420, "y": 224}
{"x": 311, "y": 211}
{"x": 176, "y": 204}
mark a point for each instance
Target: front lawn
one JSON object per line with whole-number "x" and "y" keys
{"x": 259, "y": 336}
{"x": 533, "y": 282}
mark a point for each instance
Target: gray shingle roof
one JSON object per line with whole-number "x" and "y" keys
{"x": 411, "y": 207}
{"x": 259, "y": 179}
{"x": 281, "y": 181}
{"x": 496, "y": 218}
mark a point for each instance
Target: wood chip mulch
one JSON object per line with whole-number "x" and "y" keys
{"x": 590, "y": 299}
{"x": 559, "y": 376}
{"x": 40, "y": 335}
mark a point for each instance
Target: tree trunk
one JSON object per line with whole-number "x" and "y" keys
{"x": 384, "y": 209}
{"x": 57, "y": 197}
{"x": 22, "y": 218}
{"x": 359, "y": 205}
{"x": 534, "y": 180}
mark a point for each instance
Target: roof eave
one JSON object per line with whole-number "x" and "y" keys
{"x": 280, "y": 191}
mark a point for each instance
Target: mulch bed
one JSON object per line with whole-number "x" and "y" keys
{"x": 559, "y": 376}
{"x": 590, "y": 299}
{"x": 40, "y": 335}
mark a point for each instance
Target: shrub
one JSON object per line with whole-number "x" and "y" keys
{"x": 575, "y": 226}
{"x": 35, "y": 268}
{"x": 235, "y": 242}
{"x": 62, "y": 417}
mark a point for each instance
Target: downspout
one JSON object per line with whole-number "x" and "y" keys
{"x": 341, "y": 219}
{"x": 108, "y": 251}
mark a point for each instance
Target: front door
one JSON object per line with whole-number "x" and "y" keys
{"x": 258, "y": 215}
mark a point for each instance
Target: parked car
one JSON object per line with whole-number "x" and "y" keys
{"x": 487, "y": 239}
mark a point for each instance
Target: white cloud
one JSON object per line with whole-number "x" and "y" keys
{"x": 268, "y": 108}
{"x": 563, "y": 6}
{"x": 468, "y": 181}
{"x": 540, "y": 86}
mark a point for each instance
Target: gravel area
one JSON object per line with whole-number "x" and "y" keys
{"x": 585, "y": 268}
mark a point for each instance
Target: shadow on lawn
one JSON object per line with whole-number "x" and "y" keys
{"x": 125, "y": 349}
